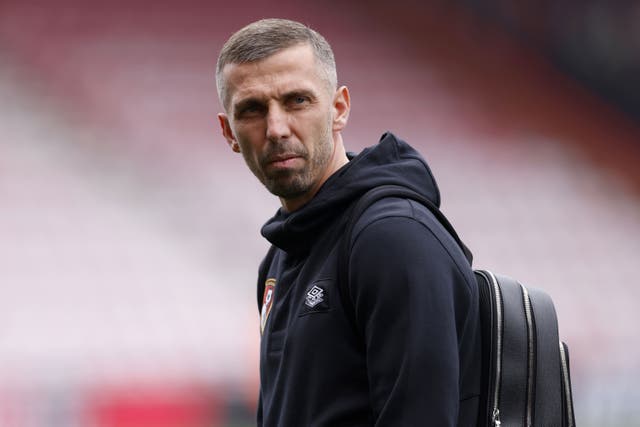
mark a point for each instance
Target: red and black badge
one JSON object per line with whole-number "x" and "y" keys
{"x": 267, "y": 302}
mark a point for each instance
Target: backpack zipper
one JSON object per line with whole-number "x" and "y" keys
{"x": 530, "y": 354}
{"x": 495, "y": 413}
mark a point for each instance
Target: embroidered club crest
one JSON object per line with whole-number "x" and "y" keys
{"x": 314, "y": 297}
{"x": 267, "y": 302}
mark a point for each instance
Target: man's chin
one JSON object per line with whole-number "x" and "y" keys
{"x": 287, "y": 189}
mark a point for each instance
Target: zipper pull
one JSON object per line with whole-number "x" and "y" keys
{"x": 495, "y": 418}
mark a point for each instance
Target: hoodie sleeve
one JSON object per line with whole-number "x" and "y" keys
{"x": 411, "y": 301}
{"x": 259, "y": 411}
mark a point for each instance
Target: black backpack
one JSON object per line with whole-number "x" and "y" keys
{"x": 525, "y": 367}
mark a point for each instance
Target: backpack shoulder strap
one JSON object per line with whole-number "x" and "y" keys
{"x": 356, "y": 211}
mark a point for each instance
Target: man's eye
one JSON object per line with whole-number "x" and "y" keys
{"x": 298, "y": 100}
{"x": 253, "y": 108}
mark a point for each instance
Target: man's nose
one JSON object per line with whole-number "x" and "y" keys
{"x": 277, "y": 124}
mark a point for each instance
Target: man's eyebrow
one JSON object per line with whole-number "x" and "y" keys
{"x": 257, "y": 102}
{"x": 248, "y": 102}
{"x": 243, "y": 104}
{"x": 298, "y": 92}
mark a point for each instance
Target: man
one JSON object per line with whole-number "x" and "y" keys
{"x": 403, "y": 350}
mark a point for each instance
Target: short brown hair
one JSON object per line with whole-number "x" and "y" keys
{"x": 266, "y": 37}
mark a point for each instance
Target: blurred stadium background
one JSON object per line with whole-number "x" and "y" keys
{"x": 129, "y": 233}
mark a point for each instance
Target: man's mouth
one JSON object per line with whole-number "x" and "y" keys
{"x": 283, "y": 160}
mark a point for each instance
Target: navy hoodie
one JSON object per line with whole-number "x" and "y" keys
{"x": 413, "y": 356}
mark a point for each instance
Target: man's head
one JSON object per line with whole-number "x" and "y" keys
{"x": 283, "y": 110}
{"x": 266, "y": 37}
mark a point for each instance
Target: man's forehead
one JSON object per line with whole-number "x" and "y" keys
{"x": 295, "y": 57}
{"x": 289, "y": 69}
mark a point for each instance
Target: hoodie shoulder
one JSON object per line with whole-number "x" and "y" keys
{"x": 392, "y": 212}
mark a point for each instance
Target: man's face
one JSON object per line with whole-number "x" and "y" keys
{"x": 282, "y": 118}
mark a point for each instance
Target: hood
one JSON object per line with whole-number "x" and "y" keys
{"x": 391, "y": 161}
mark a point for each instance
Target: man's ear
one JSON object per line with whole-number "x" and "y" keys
{"x": 228, "y": 133}
{"x": 341, "y": 108}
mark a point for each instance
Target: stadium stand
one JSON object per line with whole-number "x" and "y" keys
{"x": 127, "y": 271}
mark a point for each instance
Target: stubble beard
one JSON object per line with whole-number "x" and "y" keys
{"x": 290, "y": 184}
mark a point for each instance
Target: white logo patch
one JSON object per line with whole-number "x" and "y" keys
{"x": 314, "y": 297}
